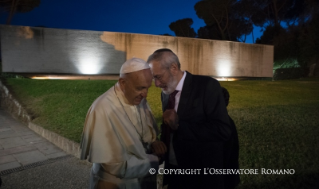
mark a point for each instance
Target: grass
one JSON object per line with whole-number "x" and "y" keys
{"x": 58, "y": 105}
{"x": 278, "y": 128}
{"x": 277, "y": 121}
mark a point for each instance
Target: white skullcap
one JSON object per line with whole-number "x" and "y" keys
{"x": 133, "y": 65}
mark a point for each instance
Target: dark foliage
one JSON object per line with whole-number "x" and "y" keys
{"x": 183, "y": 28}
{"x": 13, "y": 6}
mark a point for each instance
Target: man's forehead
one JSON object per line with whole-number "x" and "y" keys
{"x": 156, "y": 67}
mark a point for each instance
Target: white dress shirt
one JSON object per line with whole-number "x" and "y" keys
{"x": 179, "y": 87}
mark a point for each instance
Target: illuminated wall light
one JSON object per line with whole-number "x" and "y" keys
{"x": 49, "y": 77}
{"x": 36, "y": 77}
{"x": 226, "y": 79}
{"x": 46, "y": 77}
{"x": 221, "y": 79}
{"x": 89, "y": 65}
{"x": 223, "y": 68}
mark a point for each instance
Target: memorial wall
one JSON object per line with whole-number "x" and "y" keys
{"x": 27, "y": 49}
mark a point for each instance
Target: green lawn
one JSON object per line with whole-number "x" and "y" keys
{"x": 277, "y": 121}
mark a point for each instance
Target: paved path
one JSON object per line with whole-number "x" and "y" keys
{"x": 68, "y": 173}
{"x": 20, "y": 146}
{"x": 29, "y": 161}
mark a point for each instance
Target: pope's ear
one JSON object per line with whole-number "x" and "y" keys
{"x": 122, "y": 82}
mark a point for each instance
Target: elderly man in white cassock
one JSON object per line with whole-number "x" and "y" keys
{"x": 120, "y": 133}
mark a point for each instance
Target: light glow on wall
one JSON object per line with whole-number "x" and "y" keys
{"x": 89, "y": 65}
{"x": 43, "y": 77}
{"x": 223, "y": 67}
{"x": 52, "y": 77}
{"x": 226, "y": 79}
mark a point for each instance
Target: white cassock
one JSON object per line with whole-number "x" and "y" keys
{"x": 111, "y": 140}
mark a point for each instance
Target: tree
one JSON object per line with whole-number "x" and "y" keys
{"x": 166, "y": 34}
{"x": 274, "y": 12}
{"x": 308, "y": 42}
{"x": 215, "y": 12}
{"x": 183, "y": 28}
{"x": 223, "y": 17}
{"x": 299, "y": 41}
{"x": 247, "y": 9}
{"x": 270, "y": 33}
{"x": 13, "y": 6}
{"x": 208, "y": 32}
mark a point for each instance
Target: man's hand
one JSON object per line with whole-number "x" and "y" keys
{"x": 158, "y": 148}
{"x": 170, "y": 118}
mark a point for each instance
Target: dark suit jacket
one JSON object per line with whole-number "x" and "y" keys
{"x": 204, "y": 127}
{"x": 231, "y": 156}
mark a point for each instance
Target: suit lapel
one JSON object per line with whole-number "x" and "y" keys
{"x": 186, "y": 92}
{"x": 165, "y": 98}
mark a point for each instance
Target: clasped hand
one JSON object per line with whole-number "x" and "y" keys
{"x": 170, "y": 118}
{"x": 159, "y": 148}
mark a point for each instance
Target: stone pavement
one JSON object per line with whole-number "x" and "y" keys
{"x": 29, "y": 161}
{"x": 20, "y": 146}
{"x": 67, "y": 173}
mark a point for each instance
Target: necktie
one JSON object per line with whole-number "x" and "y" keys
{"x": 166, "y": 130}
{"x": 171, "y": 100}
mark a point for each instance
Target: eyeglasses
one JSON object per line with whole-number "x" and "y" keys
{"x": 160, "y": 77}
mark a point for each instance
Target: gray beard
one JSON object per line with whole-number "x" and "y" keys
{"x": 171, "y": 86}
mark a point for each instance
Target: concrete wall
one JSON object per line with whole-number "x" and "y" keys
{"x": 44, "y": 50}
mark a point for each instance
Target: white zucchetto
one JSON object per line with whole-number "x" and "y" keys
{"x": 133, "y": 65}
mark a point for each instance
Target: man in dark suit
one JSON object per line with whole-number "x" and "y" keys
{"x": 195, "y": 125}
{"x": 231, "y": 150}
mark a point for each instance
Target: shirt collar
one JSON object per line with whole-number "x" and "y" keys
{"x": 179, "y": 86}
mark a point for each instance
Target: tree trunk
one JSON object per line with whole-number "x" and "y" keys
{"x": 219, "y": 28}
{"x": 12, "y": 10}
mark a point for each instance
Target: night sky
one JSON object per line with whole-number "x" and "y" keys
{"x": 129, "y": 16}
